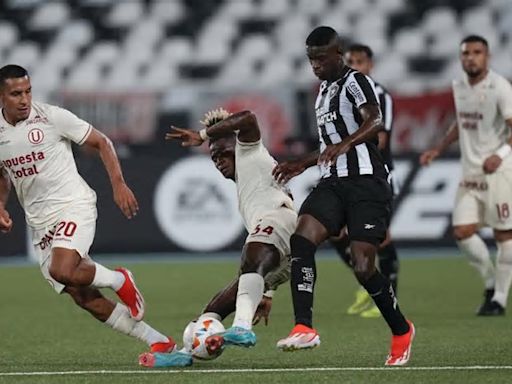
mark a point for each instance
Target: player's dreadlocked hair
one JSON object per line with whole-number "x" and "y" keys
{"x": 214, "y": 116}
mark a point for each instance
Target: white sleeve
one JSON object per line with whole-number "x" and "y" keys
{"x": 71, "y": 126}
{"x": 505, "y": 99}
{"x": 248, "y": 147}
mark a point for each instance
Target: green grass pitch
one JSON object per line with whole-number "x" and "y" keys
{"x": 44, "y": 332}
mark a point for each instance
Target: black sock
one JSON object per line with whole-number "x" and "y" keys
{"x": 382, "y": 294}
{"x": 389, "y": 264}
{"x": 342, "y": 247}
{"x": 303, "y": 277}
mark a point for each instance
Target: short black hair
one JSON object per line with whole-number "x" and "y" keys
{"x": 475, "y": 39}
{"x": 321, "y": 36}
{"x": 11, "y": 71}
{"x": 361, "y": 48}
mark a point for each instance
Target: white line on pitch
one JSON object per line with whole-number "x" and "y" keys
{"x": 262, "y": 370}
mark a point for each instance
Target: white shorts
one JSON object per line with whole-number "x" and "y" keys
{"x": 276, "y": 227}
{"x": 75, "y": 229}
{"x": 485, "y": 200}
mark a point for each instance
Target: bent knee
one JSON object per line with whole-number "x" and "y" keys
{"x": 62, "y": 275}
{"x": 364, "y": 268}
{"x": 462, "y": 232}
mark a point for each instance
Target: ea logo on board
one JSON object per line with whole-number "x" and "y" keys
{"x": 196, "y": 207}
{"x": 35, "y": 136}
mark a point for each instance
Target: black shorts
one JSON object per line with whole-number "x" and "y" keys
{"x": 362, "y": 203}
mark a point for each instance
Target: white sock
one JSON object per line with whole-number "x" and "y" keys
{"x": 121, "y": 321}
{"x": 479, "y": 257}
{"x": 250, "y": 292}
{"x": 503, "y": 272}
{"x": 214, "y": 315}
{"x": 106, "y": 278}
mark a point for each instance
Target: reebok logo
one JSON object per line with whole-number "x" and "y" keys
{"x": 369, "y": 226}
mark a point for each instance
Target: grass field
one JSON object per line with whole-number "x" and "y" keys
{"x": 44, "y": 332}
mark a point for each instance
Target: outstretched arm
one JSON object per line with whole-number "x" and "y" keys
{"x": 244, "y": 123}
{"x": 283, "y": 172}
{"x": 5, "y": 188}
{"x": 451, "y": 136}
{"x": 123, "y": 196}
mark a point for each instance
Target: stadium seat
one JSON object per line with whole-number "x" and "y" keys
{"x": 25, "y": 54}
{"x": 103, "y": 53}
{"x": 8, "y": 34}
{"x": 49, "y": 15}
{"x": 311, "y": 8}
{"x": 437, "y": 21}
{"x": 175, "y": 50}
{"x": 277, "y": 70}
{"x": 236, "y": 10}
{"x": 273, "y": 9}
{"x": 76, "y": 33}
{"x": 409, "y": 42}
{"x": 85, "y": 76}
{"x": 125, "y": 13}
{"x": 168, "y": 12}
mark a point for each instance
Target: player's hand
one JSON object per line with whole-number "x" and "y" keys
{"x": 285, "y": 171}
{"x": 263, "y": 310}
{"x": 5, "y": 220}
{"x": 428, "y": 156}
{"x": 125, "y": 200}
{"x": 332, "y": 151}
{"x": 492, "y": 163}
{"x": 188, "y": 137}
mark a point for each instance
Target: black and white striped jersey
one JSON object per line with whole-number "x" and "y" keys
{"x": 386, "y": 107}
{"x": 338, "y": 116}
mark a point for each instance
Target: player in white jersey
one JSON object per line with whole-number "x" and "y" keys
{"x": 60, "y": 208}
{"x": 267, "y": 210}
{"x": 483, "y": 101}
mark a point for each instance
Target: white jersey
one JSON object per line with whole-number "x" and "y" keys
{"x": 258, "y": 192}
{"x": 481, "y": 113}
{"x": 38, "y": 158}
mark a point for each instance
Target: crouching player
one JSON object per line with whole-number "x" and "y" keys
{"x": 267, "y": 211}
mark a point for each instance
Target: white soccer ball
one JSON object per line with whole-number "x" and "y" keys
{"x": 195, "y": 335}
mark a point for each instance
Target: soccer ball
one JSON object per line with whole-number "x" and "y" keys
{"x": 195, "y": 335}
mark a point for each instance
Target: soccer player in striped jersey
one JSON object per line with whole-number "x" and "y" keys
{"x": 483, "y": 102}
{"x": 360, "y": 58}
{"x": 353, "y": 192}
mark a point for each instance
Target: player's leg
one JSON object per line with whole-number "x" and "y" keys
{"x": 219, "y": 307}
{"x": 117, "y": 316}
{"x": 362, "y": 300}
{"x": 258, "y": 259}
{"x": 321, "y": 216}
{"x": 503, "y": 273}
{"x": 70, "y": 268}
{"x": 368, "y": 218}
{"x": 341, "y": 245}
{"x": 223, "y": 303}
{"x": 498, "y": 201}
{"x": 467, "y": 216}
{"x": 387, "y": 260}
{"x": 377, "y": 285}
